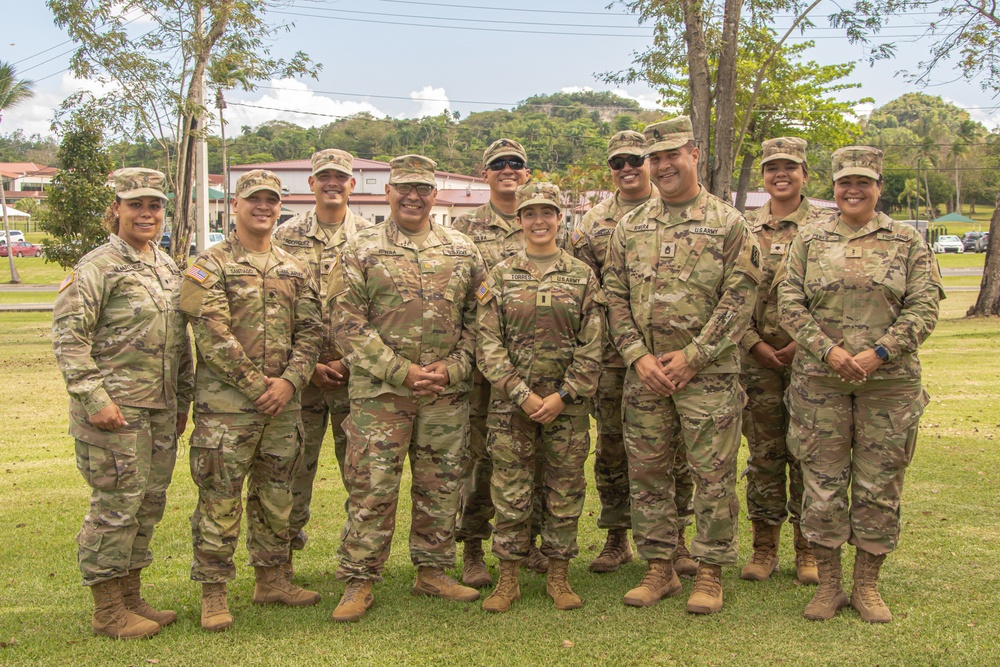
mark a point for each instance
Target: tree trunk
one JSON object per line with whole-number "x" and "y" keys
{"x": 988, "y": 302}
{"x": 931, "y": 212}
{"x": 741, "y": 189}
{"x": 700, "y": 85}
{"x": 15, "y": 277}
{"x": 725, "y": 103}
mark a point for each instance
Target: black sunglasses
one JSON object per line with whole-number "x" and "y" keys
{"x": 422, "y": 189}
{"x": 618, "y": 162}
{"x": 514, "y": 163}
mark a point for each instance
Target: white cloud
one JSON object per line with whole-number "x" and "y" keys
{"x": 292, "y": 101}
{"x": 432, "y": 101}
{"x": 34, "y": 116}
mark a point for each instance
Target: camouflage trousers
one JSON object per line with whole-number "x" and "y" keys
{"x": 128, "y": 472}
{"x": 611, "y": 462}
{"x": 517, "y": 445}
{"x": 381, "y": 432}
{"x": 704, "y": 416}
{"x": 765, "y": 424}
{"x": 856, "y": 440}
{"x": 227, "y": 449}
{"x": 319, "y": 409}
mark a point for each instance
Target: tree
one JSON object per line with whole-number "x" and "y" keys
{"x": 13, "y": 91}
{"x": 155, "y": 72}
{"x": 911, "y": 191}
{"x": 80, "y": 192}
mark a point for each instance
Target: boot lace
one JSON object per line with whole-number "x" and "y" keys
{"x": 706, "y": 582}
{"x": 215, "y": 600}
{"x": 353, "y": 592}
{"x": 654, "y": 577}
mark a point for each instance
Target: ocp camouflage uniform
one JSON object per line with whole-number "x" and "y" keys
{"x": 304, "y": 238}
{"x": 683, "y": 282}
{"x": 119, "y": 338}
{"x": 539, "y": 333}
{"x": 590, "y": 244}
{"x": 857, "y": 289}
{"x": 393, "y": 304}
{"x": 765, "y": 418}
{"x": 247, "y": 326}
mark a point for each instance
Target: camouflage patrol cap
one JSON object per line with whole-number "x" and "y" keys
{"x": 333, "y": 158}
{"x": 412, "y": 169}
{"x": 257, "y": 180}
{"x": 133, "y": 182}
{"x": 503, "y": 148}
{"x": 668, "y": 135}
{"x": 626, "y": 142}
{"x": 784, "y": 148}
{"x": 857, "y": 160}
{"x": 538, "y": 193}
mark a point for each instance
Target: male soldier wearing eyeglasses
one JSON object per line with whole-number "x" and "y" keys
{"x": 403, "y": 303}
{"x": 630, "y": 174}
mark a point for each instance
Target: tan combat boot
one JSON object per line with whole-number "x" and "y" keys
{"x": 829, "y": 597}
{"x": 557, "y": 586}
{"x": 536, "y": 561}
{"x": 865, "y": 596}
{"x": 508, "y": 589}
{"x": 131, "y": 585}
{"x": 434, "y": 582}
{"x": 288, "y": 568}
{"x": 706, "y": 595}
{"x": 805, "y": 562}
{"x": 112, "y": 619}
{"x": 764, "y": 560}
{"x": 474, "y": 572}
{"x": 660, "y": 582}
{"x": 356, "y": 600}
{"x": 616, "y": 552}
{"x": 272, "y": 586}
{"x": 215, "y": 616}
{"x": 684, "y": 564}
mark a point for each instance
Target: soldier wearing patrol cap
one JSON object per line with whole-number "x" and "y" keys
{"x": 681, "y": 279}
{"x": 767, "y": 352}
{"x": 860, "y": 295}
{"x": 256, "y": 322}
{"x": 493, "y": 228}
{"x": 541, "y": 334}
{"x": 122, "y": 346}
{"x": 589, "y": 242}
{"x": 317, "y": 238}
{"x": 403, "y": 303}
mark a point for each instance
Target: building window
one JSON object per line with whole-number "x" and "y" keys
{"x": 379, "y": 218}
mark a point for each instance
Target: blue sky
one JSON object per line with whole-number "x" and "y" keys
{"x": 409, "y": 58}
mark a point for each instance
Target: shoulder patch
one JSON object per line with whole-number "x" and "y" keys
{"x": 484, "y": 292}
{"x": 67, "y": 281}
{"x": 575, "y": 237}
{"x": 197, "y": 274}
{"x": 755, "y": 256}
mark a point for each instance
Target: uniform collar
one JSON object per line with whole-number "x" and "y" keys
{"x": 523, "y": 262}
{"x": 396, "y": 237}
{"x": 131, "y": 253}
{"x": 797, "y": 217}
{"x": 497, "y": 220}
{"x": 242, "y": 256}
{"x": 694, "y": 212}
{"x": 345, "y": 231}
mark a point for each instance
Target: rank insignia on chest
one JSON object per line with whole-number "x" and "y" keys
{"x": 854, "y": 253}
{"x": 668, "y": 250}
{"x": 778, "y": 248}
{"x": 543, "y": 299}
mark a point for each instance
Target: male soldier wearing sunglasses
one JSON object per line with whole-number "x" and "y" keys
{"x": 630, "y": 174}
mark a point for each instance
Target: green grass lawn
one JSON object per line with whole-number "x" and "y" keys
{"x": 942, "y": 582}
{"x": 33, "y": 271}
{"x": 10, "y": 297}
{"x": 965, "y": 260}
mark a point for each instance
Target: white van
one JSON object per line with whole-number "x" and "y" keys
{"x": 15, "y": 235}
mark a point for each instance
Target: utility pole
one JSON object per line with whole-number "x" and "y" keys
{"x": 220, "y": 104}
{"x": 201, "y": 162}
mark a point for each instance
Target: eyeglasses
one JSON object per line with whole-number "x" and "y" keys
{"x": 618, "y": 162}
{"x": 514, "y": 163}
{"x": 423, "y": 189}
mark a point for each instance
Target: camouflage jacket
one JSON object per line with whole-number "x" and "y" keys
{"x": 248, "y": 326}
{"x": 541, "y": 333}
{"x": 879, "y": 285}
{"x": 589, "y": 242}
{"x": 682, "y": 282}
{"x": 119, "y": 335}
{"x": 392, "y": 305}
{"x": 303, "y": 238}
{"x": 496, "y": 238}
{"x": 774, "y": 237}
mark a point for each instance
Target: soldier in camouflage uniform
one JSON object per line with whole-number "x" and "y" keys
{"x": 316, "y": 239}
{"x": 493, "y": 228}
{"x": 860, "y": 295}
{"x": 255, "y": 316}
{"x": 766, "y": 368}
{"x": 404, "y": 306}
{"x": 541, "y": 334}
{"x": 681, "y": 280}
{"x": 122, "y": 346}
{"x": 630, "y": 174}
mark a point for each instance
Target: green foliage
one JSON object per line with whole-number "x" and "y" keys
{"x": 80, "y": 194}
{"x": 17, "y": 147}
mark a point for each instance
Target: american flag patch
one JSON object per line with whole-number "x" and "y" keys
{"x": 575, "y": 237}
{"x": 196, "y": 273}
{"x": 67, "y": 281}
{"x": 482, "y": 292}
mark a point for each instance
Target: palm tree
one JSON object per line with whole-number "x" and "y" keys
{"x": 911, "y": 190}
{"x": 13, "y": 91}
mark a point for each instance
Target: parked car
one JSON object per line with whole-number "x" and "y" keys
{"x": 982, "y": 242}
{"x": 948, "y": 243}
{"x": 165, "y": 244}
{"x": 215, "y": 237}
{"x": 15, "y": 235}
{"x": 21, "y": 249}
{"x": 969, "y": 241}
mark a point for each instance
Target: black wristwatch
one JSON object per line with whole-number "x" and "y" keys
{"x": 881, "y": 352}
{"x": 565, "y": 396}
